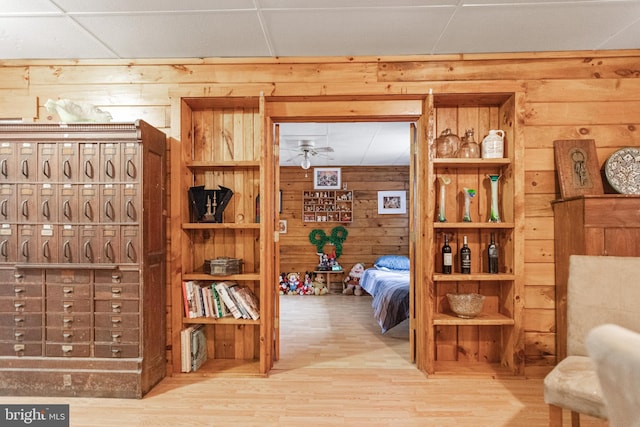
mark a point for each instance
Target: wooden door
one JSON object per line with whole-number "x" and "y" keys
{"x": 269, "y": 217}
{"x": 413, "y": 220}
{"x": 276, "y": 258}
{"x": 421, "y": 237}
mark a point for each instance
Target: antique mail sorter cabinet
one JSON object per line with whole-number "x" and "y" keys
{"x": 82, "y": 251}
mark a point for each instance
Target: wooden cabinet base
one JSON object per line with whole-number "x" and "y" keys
{"x": 80, "y": 377}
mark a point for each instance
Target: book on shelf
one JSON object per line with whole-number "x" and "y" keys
{"x": 189, "y": 291}
{"x": 206, "y": 299}
{"x": 206, "y": 302}
{"x": 249, "y": 301}
{"x": 223, "y": 291}
{"x": 193, "y": 348}
{"x": 233, "y": 292}
{"x": 185, "y": 349}
{"x": 221, "y": 308}
{"x": 198, "y": 350}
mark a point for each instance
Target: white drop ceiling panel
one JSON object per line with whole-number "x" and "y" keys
{"x": 111, "y": 29}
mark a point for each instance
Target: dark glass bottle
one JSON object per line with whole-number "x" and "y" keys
{"x": 465, "y": 257}
{"x": 492, "y": 253}
{"x": 447, "y": 256}
{"x": 258, "y": 208}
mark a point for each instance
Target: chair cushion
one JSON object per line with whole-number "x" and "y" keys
{"x": 573, "y": 384}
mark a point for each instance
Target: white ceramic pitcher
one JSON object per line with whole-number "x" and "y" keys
{"x": 493, "y": 145}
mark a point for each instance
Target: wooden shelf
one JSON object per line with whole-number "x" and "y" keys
{"x": 483, "y": 319}
{"x": 220, "y": 225}
{"x": 241, "y": 161}
{"x": 228, "y": 367}
{"x": 327, "y": 206}
{"x": 211, "y": 278}
{"x": 474, "y": 225}
{"x": 221, "y": 321}
{"x": 205, "y": 165}
{"x": 470, "y": 370}
{"x": 504, "y": 288}
{"x": 480, "y": 277}
{"x": 470, "y": 163}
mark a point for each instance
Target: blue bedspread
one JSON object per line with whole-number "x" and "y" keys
{"x": 390, "y": 291}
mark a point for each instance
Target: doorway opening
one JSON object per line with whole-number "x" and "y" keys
{"x": 371, "y": 157}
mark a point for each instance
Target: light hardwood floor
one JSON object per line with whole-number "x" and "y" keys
{"x": 336, "y": 369}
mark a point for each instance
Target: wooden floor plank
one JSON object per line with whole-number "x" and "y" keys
{"x": 336, "y": 369}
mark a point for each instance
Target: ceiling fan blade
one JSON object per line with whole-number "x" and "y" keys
{"x": 324, "y": 149}
{"x": 294, "y": 157}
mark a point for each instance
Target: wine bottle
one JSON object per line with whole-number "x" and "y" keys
{"x": 258, "y": 208}
{"x": 447, "y": 256}
{"x": 492, "y": 253}
{"x": 465, "y": 257}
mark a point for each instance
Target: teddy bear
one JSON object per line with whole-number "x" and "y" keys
{"x": 352, "y": 280}
{"x": 319, "y": 285}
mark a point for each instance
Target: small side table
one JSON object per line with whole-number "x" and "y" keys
{"x": 329, "y": 274}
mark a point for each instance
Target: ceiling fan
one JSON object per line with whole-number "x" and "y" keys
{"x": 307, "y": 149}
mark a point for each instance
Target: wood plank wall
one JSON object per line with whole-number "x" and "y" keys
{"x": 567, "y": 95}
{"x": 369, "y": 235}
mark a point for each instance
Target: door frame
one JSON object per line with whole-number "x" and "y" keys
{"x": 408, "y": 109}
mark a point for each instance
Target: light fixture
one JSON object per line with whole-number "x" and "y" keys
{"x": 306, "y": 162}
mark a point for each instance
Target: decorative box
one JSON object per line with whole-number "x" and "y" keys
{"x": 222, "y": 266}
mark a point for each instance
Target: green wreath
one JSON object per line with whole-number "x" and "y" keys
{"x": 319, "y": 239}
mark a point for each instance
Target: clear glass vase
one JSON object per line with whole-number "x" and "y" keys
{"x": 444, "y": 181}
{"x": 494, "y": 214}
{"x": 469, "y": 193}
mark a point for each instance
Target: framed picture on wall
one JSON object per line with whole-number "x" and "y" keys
{"x": 326, "y": 179}
{"x": 392, "y": 202}
{"x": 577, "y": 167}
{"x": 282, "y": 226}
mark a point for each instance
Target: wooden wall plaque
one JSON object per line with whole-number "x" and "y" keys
{"x": 577, "y": 167}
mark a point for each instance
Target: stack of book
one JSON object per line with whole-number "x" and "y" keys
{"x": 193, "y": 347}
{"x": 218, "y": 300}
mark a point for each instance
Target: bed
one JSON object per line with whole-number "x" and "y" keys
{"x": 388, "y": 283}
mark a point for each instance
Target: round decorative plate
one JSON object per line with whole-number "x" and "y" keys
{"x": 622, "y": 170}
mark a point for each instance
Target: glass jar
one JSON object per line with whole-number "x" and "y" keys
{"x": 447, "y": 144}
{"x": 469, "y": 149}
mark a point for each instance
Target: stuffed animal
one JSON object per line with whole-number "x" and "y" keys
{"x": 319, "y": 285}
{"x": 284, "y": 284}
{"x": 352, "y": 280}
{"x": 307, "y": 287}
{"x": 293, "y": 284}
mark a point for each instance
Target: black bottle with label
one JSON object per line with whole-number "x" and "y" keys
{"x": 465, "y": 257}
{"x": 447, "y": 257}
{"x": 492, "y": 253}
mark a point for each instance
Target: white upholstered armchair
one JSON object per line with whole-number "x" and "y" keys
{"x": 601, "y": 289}
{"x": 615, "y": 351}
